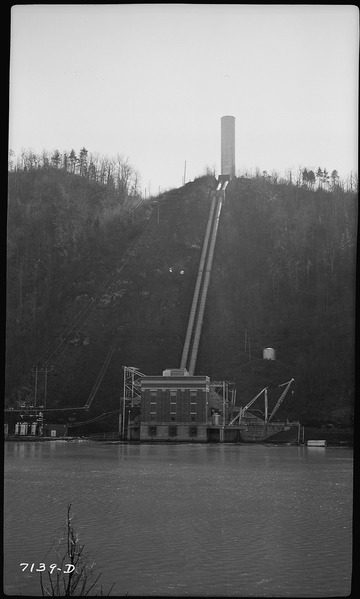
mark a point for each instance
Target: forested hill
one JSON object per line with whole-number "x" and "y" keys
{"x": 90, "y": 268}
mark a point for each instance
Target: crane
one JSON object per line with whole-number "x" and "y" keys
{"x": 242, "y": 411}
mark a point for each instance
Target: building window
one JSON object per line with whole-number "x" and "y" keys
{"x": 152, "y": 416}
{"x": 192, "y": 431}
{"x": 193, "y": 394}
{"x": 172, "y": 411}
{"x": 193, "y": 412}
{"x": 173, "y": 394}
{"x": 152, "y": 431}
{"x": 153, "y": 406}
{"x": 172, "y": 431}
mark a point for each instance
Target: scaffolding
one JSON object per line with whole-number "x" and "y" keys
{"x": 131, "y": 395}
{"x": 223, "y": 397}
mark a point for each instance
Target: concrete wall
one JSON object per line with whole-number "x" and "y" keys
{"x": 228, "y": 146}
{"x": 163, "y": 432}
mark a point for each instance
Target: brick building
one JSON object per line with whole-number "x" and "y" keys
{"x": 175, "y": 407}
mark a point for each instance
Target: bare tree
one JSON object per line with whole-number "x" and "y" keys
{"x": 75, "y": 577}
{"x": 83, "y": 162}
{"x": 319, "y": 176}
{"x": 55, "y": 159}
{"x": 72, "y": 161}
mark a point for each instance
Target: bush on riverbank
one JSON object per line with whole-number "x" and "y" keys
{"x": 79, "y": 581}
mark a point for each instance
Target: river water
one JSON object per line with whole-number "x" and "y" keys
{"x": 184, "y": 520}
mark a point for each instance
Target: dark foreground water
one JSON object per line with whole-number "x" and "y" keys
{"x": 177, "y": 520}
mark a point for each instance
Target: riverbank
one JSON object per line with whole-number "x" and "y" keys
{"x": 333, "y": 437}
{"x": 36, "y": 439}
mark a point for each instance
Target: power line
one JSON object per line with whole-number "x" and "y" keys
{"x": 97, "y": 418}
{"x": 84, "y": 314}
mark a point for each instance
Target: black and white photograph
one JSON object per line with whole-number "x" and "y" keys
{"x": 181, "y": 248}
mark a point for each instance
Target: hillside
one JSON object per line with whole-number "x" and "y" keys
{"x": 88, "y": 268}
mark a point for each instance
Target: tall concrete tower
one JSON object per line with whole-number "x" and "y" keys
{"x": 228, "y": 145}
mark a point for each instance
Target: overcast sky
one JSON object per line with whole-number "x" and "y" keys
{"x": 150, "y": 82}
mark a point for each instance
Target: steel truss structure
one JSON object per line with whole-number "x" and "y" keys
{"x": 131, "y": 393}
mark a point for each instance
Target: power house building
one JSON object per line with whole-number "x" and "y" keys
{"x": 175, "y": 406}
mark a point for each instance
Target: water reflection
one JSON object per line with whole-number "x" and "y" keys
{"x": 187, "y": 519}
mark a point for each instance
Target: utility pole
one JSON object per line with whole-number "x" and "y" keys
{"x": 184, "y": 173}
{"x": 45, "y": 385}
{"x": 37, "y": 371}
{"x": 35, "y": 391}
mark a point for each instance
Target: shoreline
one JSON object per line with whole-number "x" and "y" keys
{"x": 348, "y": 443}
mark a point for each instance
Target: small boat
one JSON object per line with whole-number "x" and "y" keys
{"x": 316, "y": 443}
